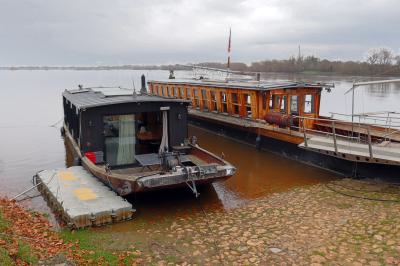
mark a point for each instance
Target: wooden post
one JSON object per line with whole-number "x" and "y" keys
{"x": 334, "y": 136}
{"x": 369, "y": 143}
{"x": 305, "y": 135}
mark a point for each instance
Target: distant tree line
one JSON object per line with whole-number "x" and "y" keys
{"x": 379, "y": 61}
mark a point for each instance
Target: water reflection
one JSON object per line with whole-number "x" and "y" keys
{"x": 383, "y": 90}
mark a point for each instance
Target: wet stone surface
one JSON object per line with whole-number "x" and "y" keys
{"x": 309, "y": 225}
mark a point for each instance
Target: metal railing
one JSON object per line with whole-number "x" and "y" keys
{"x": 360, "y": 132}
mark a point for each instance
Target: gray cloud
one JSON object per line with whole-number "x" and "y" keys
{"x": 65, "y": 32}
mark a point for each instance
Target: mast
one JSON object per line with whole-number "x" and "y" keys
{"x": 229, "y": 52}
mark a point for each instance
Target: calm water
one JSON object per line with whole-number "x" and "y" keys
{"x": 30, "y": 102}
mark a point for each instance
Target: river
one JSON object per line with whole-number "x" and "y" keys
{"x": 31, "y": 109}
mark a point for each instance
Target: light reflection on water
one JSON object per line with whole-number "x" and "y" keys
{"x": 30, "y": 101}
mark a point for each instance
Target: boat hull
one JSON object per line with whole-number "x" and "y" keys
{"x": 290, "y": 149}
{"x": 126, "y": 185}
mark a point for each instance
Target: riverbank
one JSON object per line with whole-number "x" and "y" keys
{"x": 344, "y": 222}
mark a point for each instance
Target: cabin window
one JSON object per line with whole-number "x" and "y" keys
{"x": 294, "y": 104}
{"x": 213, "y": 101}
{"x": 169, "y": 91}
{"x": 196, "y": 98}
{"x": 160, "y": 91}
{"x": 224, "y": 103}
{"x": 235, "y": 103}
{"x": 283, "y": 104}
{"x": 308, "y": 103}
{"x": 276, "y": 102}
{"x": 176, "y": 92}
{"x": 182, "y": 91}
{"x": 204, "y": 100}
{"x": 120, "y": 139}
{"x": 271, "y": 102}
{"x": 247, "y": 103}
{"x": 189, "y": 93}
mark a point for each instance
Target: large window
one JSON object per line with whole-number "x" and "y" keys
{"x": 294, "y": 104}
{"x": 247, "y": 102}
{"x": 308, "y": 103}
{"x": 282, "y": 108}
{"x": 204, "y": 100}
{"x": 213, "y": 101}
{"x": 235, "y": 103}
{"x": 125, "y": 136}
{"x": 223, "y": 103}
{"x": 275, "y": 102}
{"x": 196, "y": 98}
{"x": 120, "y": 139}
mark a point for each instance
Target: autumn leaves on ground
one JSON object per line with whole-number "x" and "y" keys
{"x": 345, "y": 222}
{"x": 27, "y": 238}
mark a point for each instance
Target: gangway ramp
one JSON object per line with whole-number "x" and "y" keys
{"x": 383, "y": 153}
{"x": 80, "y": 199}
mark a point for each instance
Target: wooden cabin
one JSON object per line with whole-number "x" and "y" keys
{"x": 276, "y": 103}
{"x": 95, "y": 118}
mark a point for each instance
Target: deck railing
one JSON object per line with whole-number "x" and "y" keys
{"x": 361, "y": 132}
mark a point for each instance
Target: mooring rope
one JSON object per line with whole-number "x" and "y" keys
{"x": 360, "y": 197}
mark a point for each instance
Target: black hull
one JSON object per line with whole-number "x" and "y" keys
{"x": 290, "y": 150}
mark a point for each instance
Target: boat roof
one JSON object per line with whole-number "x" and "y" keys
{"x": 84, "y": 98}
{"x": 244, "y": 84}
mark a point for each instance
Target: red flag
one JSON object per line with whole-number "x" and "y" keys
{"x": 229, "y": 42}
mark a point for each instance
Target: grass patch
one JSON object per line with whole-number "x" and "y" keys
{"x": 5, "y": 259}
{"x": 4, "y": 224}
{"x": 90, "y": 242}
{"x": 25, "y": 253}
{"x": 320, "y": 253}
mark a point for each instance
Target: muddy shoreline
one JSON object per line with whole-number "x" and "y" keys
{"x": 349, "y": 222}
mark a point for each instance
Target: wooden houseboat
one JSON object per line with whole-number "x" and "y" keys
{"x": 137, "y": 142}
{"x": 283, "y": 117}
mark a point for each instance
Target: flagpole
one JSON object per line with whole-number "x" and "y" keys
{"x": 229, "y": 52}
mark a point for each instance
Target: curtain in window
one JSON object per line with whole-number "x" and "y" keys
{"x": 126, "y": 141}
{"x": 164, "y": 140}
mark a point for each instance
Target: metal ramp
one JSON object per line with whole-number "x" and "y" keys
{"x": 383, "y": 153}
{"x": 80, "y": 199}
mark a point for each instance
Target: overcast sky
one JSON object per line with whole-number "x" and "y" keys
{"x": 68, "y": 32}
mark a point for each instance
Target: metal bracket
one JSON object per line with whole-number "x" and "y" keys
{"x": 193, "y": 188}
{"x": 190, "y": 180}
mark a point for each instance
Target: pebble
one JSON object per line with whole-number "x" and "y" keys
{"x": 275, "y": 250}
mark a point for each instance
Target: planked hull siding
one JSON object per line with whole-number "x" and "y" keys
{"x": 292, "y": 151}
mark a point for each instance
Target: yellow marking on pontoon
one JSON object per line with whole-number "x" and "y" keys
{"x": 85, "y": 194}
{"x": 67, "y": 176}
